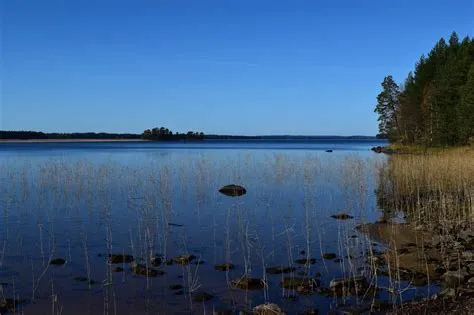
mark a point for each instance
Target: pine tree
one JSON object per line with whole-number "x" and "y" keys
{"x": 466, "y": 113}
{"x": 387, "y": 108}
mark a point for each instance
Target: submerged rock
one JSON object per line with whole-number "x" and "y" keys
{"x": 342, "y": 216}
{"x": 275, "y": 270}
{"x": 223, "y": 311}
{"x": 57, "y": 261}
{"x": 175, "y": 287}
{"x": 305, "y": 261}
{"x": 117, "y": 269}
{"x": 301, "y": 284}
{"x": 247, "y": 283}
{"x": 142, "y": 270}
{"x": 377, "y": 149}
{"x": 233, "y": 190}
{"x": 202, "y": 296}
{"x": 85, "y": 279}
{"x": 224, "y": 267}
{"x": 156, "y": 260}
{"x": 267, "y": 309}
{"x": 183, "y": 259}
{"x": 175, "y": 224}
{"x": 353, "y": 285}
{"x": 7, "y": 305}
{"x": 120, "y": 258}
{"x": 329, "y": 255}
{"x": 329, "y": 151}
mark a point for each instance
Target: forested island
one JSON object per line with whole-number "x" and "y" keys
{"x": 434, "y": 106}
{"x": 38, "y": 135}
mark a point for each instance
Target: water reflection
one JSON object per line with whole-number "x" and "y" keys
{"x": 84, "y": 208}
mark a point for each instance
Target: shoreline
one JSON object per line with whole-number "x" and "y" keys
{"x": 69, "y": 140}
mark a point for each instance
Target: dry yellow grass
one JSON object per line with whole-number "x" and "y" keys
{"x": 430, "y": 186}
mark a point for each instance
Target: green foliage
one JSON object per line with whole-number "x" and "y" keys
{"x": 435, "y": 104}
{"x": 388, "y": 103}
{"x": 163, "y": 134}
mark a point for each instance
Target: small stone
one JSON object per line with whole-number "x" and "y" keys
{"x": 353, "y": 285}
{"x": 202, "y": 297}
{"x": 329, "y": 256}
{"x": 183, "y": 259}
{"x": 224, "y": 267}
{"x": 247, "y": 283}
{"x": 402, "y": 251}
{"x": 81, "y": 279}
{"x": 175, "y": 287}
{"x": 293, "y": 283}
{"x": 342, "y": 216}
{"x": 156, "y": 261}
{"x": 454, "y": 278}
{"x": 233, "y": 190}
{"x": 142, "y": 270}
{"x": 274, "y": 270}
{"x": 120, "y": 258}
{"x": 117, "y": 269}
{"x": 222, "y": 311}
{"x": 175, "y": 224}
{"x": 305, "y": 261}
{"x": 470, "y": 268}
{"x": 448, "y": 292}
{"x": 267, "y": 309}
{"x": 468, "y": 255}
{"x": 57, "y": 261}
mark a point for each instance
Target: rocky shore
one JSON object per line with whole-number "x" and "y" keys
{"x": 442, "y": 254}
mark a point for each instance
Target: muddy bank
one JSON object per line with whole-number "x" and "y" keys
{"x": 464, "y": 306}
{"x": 422, "y": 255}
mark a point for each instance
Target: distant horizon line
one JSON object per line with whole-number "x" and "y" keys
{"x": 205, "y": 134}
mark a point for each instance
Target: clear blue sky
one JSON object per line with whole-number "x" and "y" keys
{"x": 228, "y": 67}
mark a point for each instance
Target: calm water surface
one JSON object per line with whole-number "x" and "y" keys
{"x": 82, "y": 201}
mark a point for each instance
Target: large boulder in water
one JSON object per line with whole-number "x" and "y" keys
{"x": 233, "y": 190}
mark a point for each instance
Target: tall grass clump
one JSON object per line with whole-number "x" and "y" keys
{"x": 429, "y": 187}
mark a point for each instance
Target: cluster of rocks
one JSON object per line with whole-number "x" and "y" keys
{"x": 456, "y": 247}
{"x": 379, "y": 149}
{"x": 444, "y": 255}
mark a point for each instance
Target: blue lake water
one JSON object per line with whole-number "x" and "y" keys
{"x": 81, "y": 201}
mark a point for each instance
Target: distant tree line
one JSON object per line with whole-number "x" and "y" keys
{"x": 164, "y": 134}
{"x": 435, "y": 104}
{"x": 33, "y": 135}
